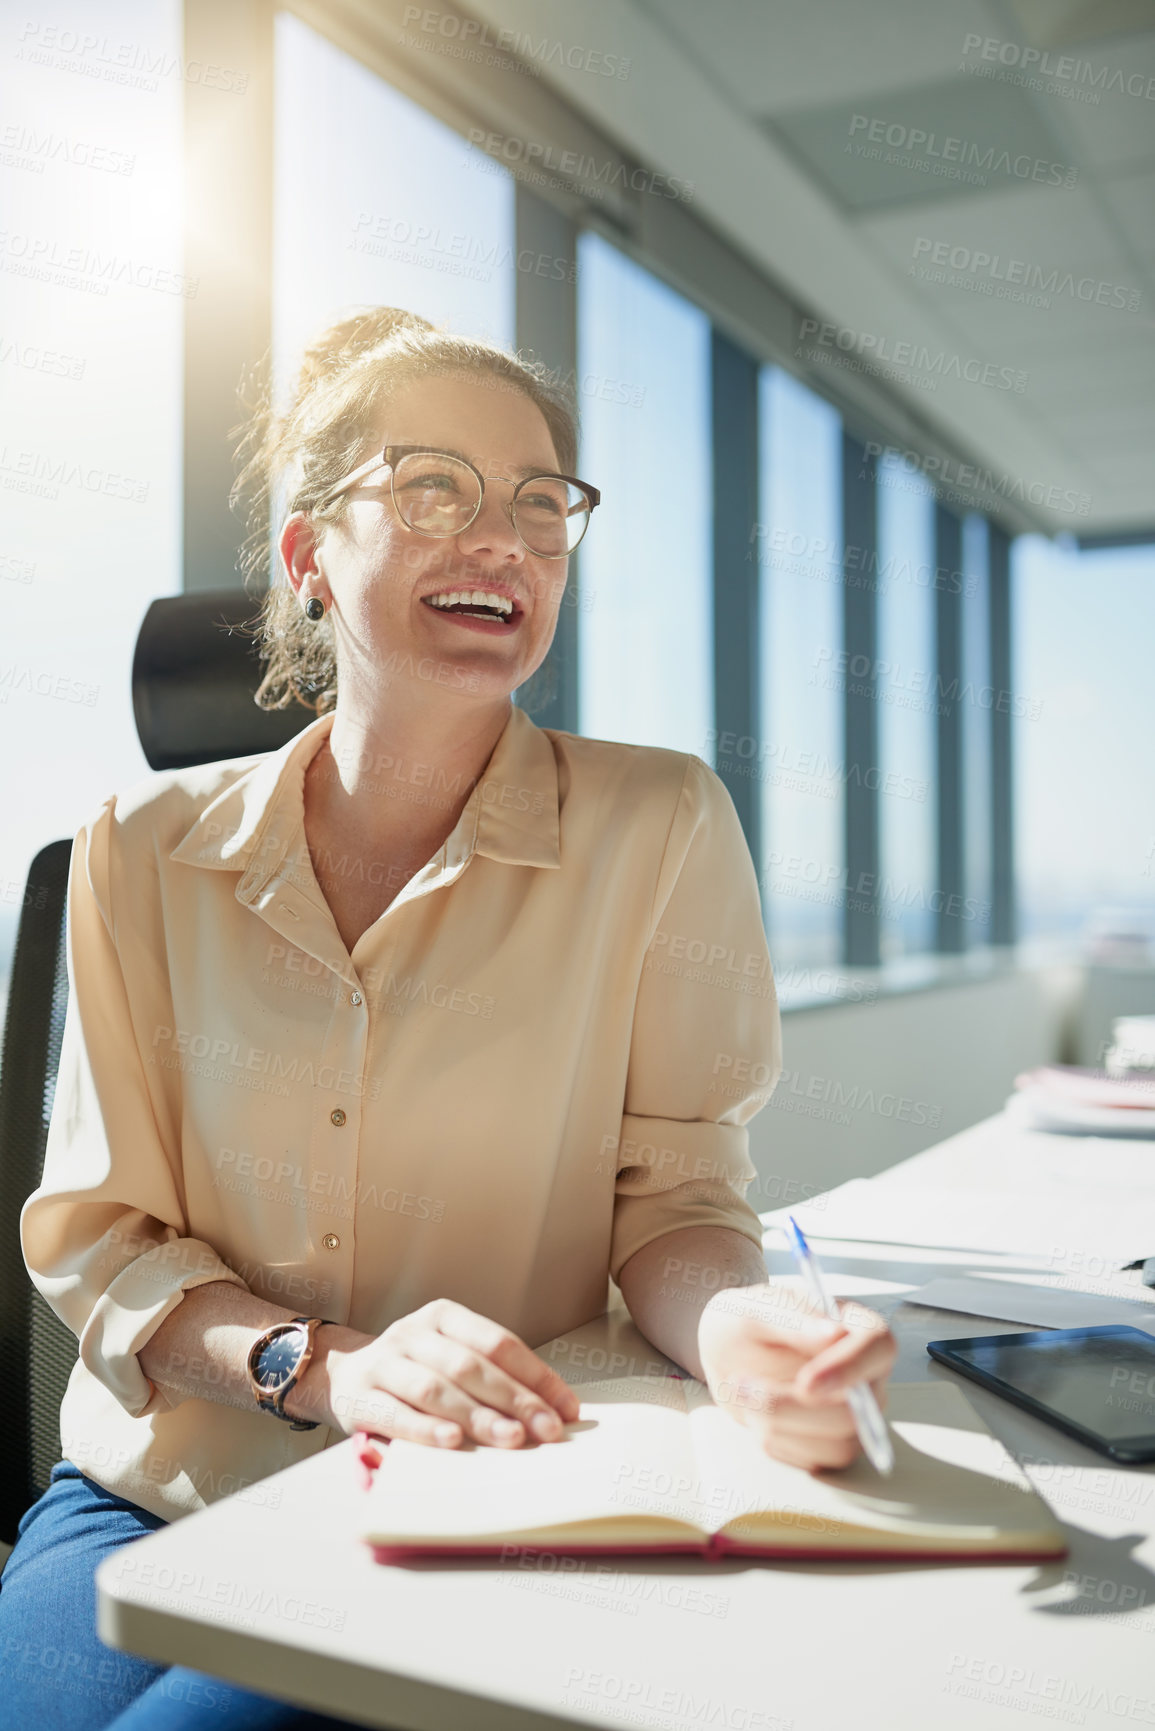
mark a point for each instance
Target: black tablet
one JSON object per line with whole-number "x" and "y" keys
{"x": 1097, "y": 1384}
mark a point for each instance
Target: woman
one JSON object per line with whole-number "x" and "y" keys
{"x": 387, "y": 1050}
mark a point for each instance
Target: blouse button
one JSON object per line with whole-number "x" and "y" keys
{"x": 331, "y": 1241}
{"x": 337, "y": 1116}
{"x": 354, "y": 997}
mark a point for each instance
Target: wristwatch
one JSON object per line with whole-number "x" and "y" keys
{"x": 278, "y": 1360}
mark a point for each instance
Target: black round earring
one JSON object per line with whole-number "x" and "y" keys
{"x": 314, "y": 608}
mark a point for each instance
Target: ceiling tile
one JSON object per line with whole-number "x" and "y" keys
{"x": 1062, "y": 23}
{"x": 779, "y": 54}
{"x": 1102, "y": 374}
{"x": 1046, "y": 228}
{"x": 1036, "y": 338}
{"x": 952, "y": 138}
{"x": 1105, "y": 104}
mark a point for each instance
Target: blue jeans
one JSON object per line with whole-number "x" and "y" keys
{"x": 57, "y": 1675}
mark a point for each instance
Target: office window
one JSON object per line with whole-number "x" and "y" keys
{"x": 978, "y": 697}
{"x": 1082, "y": 629}
{"x": 645, "y": 605}
{"x": 800, "y": 742}
{"x": 92, "y": 294}
{"x": 376, "y": 203}
{"x": 906, "y": 711}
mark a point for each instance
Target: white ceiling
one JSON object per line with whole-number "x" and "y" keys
{"x": 754, "y": 102}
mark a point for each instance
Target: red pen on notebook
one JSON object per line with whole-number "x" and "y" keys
{"x": 368, "y": 1454}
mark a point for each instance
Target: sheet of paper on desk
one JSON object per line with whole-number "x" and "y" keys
{"x": 1053, "y": 1225}
{"x": 1036, "y": 1306}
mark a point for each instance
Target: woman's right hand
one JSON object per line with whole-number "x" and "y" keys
{"x": 440, "y": 1376}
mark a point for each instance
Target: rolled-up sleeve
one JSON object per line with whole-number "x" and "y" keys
{"x": 705, "y": 1049}
{"x": 104, "y": 1236}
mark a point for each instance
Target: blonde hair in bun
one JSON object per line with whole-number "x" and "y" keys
{"x": 293, "y": 457}
{"x": 349, "y": 339}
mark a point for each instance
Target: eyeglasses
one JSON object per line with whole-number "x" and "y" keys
{"x": 440, "y": 494}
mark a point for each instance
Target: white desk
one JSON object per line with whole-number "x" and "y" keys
{"x": 677, "y": 1645}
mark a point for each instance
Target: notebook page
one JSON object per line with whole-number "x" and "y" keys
{"x": 951, "y": 1477}
{"x": 624, "y": 1457}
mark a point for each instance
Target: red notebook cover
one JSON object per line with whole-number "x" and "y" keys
{"x": 717, "y": 1548}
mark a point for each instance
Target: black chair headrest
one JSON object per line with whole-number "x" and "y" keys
{"x": 193, "y": 679}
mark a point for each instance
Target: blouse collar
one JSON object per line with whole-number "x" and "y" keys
{"x": 511, "y": 815}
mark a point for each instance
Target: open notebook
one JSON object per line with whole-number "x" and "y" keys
{"x": 654, "y": 1466}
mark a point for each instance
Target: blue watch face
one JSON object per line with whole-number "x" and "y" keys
{"x": 279, "y": 1359}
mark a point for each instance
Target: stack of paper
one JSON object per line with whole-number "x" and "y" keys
{"x": 1036, "y": 1305}
{"x": 1053, "y": 1224}
{"x": 1066, "y": 1098}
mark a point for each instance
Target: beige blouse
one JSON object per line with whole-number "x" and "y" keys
{"x": 523, "y": 1073}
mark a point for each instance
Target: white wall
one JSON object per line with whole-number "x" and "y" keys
{"x": 865, "y": 1085}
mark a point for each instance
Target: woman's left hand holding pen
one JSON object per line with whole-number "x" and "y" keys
{"x": 782, "y": 1368}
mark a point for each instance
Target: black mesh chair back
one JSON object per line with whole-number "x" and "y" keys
{"x": 193, "y": 678}
{"x": 37, "y": 1352}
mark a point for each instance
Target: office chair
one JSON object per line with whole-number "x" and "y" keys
{"x": 193, "y": 679}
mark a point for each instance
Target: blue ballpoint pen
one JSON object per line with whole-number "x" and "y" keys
{"x": 865, "y": 1410}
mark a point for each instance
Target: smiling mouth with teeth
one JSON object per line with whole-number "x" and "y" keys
{"x": 475, "y": 603}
